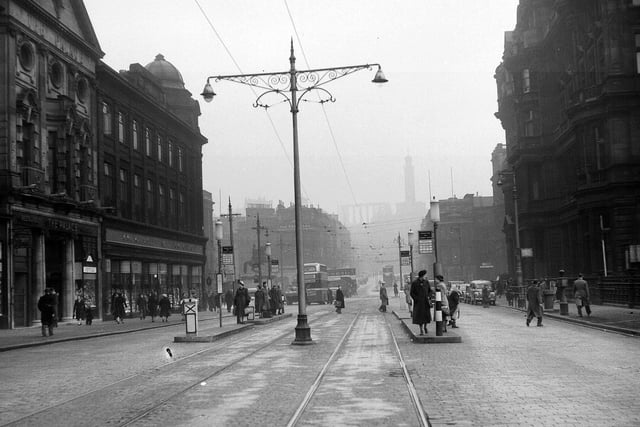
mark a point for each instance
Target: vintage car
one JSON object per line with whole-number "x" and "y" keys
{"x": 474, "y": 292}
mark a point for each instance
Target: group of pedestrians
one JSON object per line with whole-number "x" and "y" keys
{"x": 421, "y": 297}
{"x": 148, "y": 305}
{"x": 268, "y": 301}
{"x": 581, "y": 296}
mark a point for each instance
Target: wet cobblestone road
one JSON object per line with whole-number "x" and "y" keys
{"x": 502, "y": 373}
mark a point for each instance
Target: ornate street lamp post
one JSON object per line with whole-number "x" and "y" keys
{"x": 285, "y": 84}
{"x": 267, "y": 252}
{"x": 518, "y": 259}
{"x": 434, "y": 213}
{"x": 410, "y": 238}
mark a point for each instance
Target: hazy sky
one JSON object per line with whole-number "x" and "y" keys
{"x": 439, "y": 56}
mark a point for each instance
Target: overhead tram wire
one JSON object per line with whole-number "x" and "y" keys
{"x": 273, "y": 126}
{"x": 324, "y": 111}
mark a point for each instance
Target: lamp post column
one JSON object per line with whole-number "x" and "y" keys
{"x": 410, "y": 236}
{"x": 303, "y": 332}
{"x": 219, "y": 235}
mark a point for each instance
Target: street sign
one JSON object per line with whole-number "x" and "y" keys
{"x": 526, "y": 252}
{"x": 425, "y": 242}
{"x": 227, "y": 255}
{"x": 405, "y": 258}
{"x": 275, "y": 266}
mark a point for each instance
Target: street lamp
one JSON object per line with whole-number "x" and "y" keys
{"x": 518, "y": 259}
{"x": 219, "y": 234}
{"x": 411, "y": 241}
{"x": 434, "y": 213}
{"x": 285, "y": 84}
{"x": 267, "y": 252}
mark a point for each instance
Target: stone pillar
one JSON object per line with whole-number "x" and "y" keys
{"x": 69, "y": 283}
{"x": 38, "y": 283}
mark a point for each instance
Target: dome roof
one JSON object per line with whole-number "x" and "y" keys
{"x": 164, "y": 70}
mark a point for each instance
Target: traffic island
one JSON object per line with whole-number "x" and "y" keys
{"x": 449, "y": 337}
{"x": 211, "y": 335}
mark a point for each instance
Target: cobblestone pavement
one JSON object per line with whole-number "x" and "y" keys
{"x": 502, "y": 373}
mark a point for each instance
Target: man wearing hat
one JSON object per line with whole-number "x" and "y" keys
{"x": 241, "y": 301}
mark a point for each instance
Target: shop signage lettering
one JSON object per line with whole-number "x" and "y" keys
{"x": 140, "y": 240}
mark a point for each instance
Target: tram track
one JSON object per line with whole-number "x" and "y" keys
{"x": 419, "y": 411}
{"x": 151, "y": 373}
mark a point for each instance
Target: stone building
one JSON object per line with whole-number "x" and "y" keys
{"x": 569, "y": 102}
{"x": 100, "y": 173}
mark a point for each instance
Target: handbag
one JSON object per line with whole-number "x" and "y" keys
{"x": 247, "y": 310}
{"x": 337, "y": 304}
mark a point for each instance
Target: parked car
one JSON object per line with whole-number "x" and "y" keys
{"x": 474, "y": 294}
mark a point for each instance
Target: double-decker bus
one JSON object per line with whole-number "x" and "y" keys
{"x": 346, "y": 278}
{"x": 316, "y": 282}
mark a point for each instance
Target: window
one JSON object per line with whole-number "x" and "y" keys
{"x": 180, "y": 160}
{"x": 162, "y": 203}
{"x": 120, "y": 127}
{"x": 137, "y": 197}
{"x": 108, "y": 185}
{"x": 526, "y": 81}
{"x": 173, "y": 208}
{"x": 106, "y": 119}
{"x": 530, "y": 124}
{"x": 170, "y": 153}
{"x": 600, "y": 148}
{"x": 159, "y": 147}
{"x": 637, "y": 51}
{"x": 147, "y": 141}
{"x": 150, "y": 202}
{"x": 182, "y": 212}
{"x": 134, "y": 135}
{"x": 124, "y": 192}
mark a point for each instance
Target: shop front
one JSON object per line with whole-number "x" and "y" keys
{"x": 139, "y": 265}
{"x": 42, "y": 250}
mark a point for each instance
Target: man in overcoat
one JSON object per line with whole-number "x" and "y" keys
{"x": 241, "y": 301}
{"x": 420, "y": 293}
{"x": 534, "y": 301}
{"x": 46, "y": 305}
{"x": 581, "y": 295}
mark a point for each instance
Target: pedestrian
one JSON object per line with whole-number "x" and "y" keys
{"x": 420, "y": 293}
{"x": 407, "y": 297}
{"x": 273, "y": 300}
{"x": 534, "y": 300}
{"x": 119, "y": 304}
{"x": 485, "y": 296}
{"x": 241, "y": 301}
{"x": 454, "y": 306}
{"x": 581, "y": 295}
{"x": 444, "y": 301}
{"x": 142, "y": 304}
{"x": 228, "y": 299}
{"x": 152, "y": 305}
{"x": 395, "y": 289}
{"x": 46, "y": 305}
{"x": 79, "y": 311}
{"x": 88, "y": 314}
{"x": 278, "y": 300}
{"x": 259, "y": 301}
{"x": 212, "y": 301}
{"x": 165, "y": 307}
{"x": 339, "y": 300}
{"x": 384, "y": 298}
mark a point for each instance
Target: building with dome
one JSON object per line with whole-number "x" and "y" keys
{"x": 100, "y": 170}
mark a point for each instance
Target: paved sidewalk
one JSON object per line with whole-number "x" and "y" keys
{"x": 11, "y": 339}
{"x": 614, "y": 318}
{"x": 609, "y": 317}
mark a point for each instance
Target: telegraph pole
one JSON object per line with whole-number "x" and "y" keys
{"x": 258, "y": 228}
{"x": 233, "y": 254}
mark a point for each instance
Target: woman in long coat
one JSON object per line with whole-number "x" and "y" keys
{"x": 165, "y": 308}
{"x": 119, "y": 303}
{"x": 339, "y": 300}
{"x": 384, "y": 298}
{"x": 79, "y": 310}
{"x": 420, "y": 291}
{"x": 534, "y": 301}
{"x": 259, "y": 300}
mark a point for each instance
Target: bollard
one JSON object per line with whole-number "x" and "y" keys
{"x": 438, "y": 313}
{"x": 191, "y": 316}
